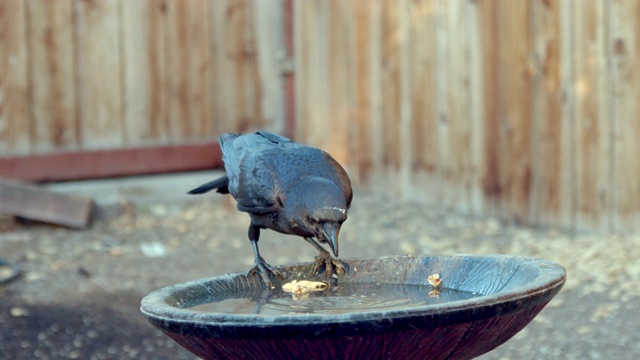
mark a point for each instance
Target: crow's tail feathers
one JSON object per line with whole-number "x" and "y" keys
{"x": 221, "y": 184}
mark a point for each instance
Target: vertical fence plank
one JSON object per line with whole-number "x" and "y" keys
{"x": 452, "y": 99}
{"x": 312, "y": 107}
{"x": 515, "y": 108}
{"x": 566, "y": 193}
{"x": 268, "y": 18}
{"x": 51, "y": 76}
{"x": 552, "y": 98}
{"x": 444, "y": 195}
{"x": 189, "y": 97}
{"x": 395, "y": 95}
{"x": 243, "y": 50}
{"x": 592, "y": 123}
{"x": 490, "y": 49}
{"x": 339, "y": 89}
{"x": 425, "y": 167}
{"x": 246, "y": 37}
{"x": 223, "y": 85}
{"x": 391, "y": 82}
{"x": 98, "y": 77}
{"x": 362, "y": 157}
{"x": 405, "y": 137}
{"x": 248, "y": 61}
{"x": 623, "y": 47}
{"x": 377, "y": 94}
{"x": 352, "y": 123}
{"x": 475, "y": 84}
{"x": 98, "y": 74}
{"x": 460, "y": 115}
{"x": 145, "y": 83}
{"x": 14, "y": 112}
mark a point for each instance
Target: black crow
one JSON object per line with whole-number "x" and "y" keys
{"x": 287, "y": 187}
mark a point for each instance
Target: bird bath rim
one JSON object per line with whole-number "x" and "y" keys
{"x": 543, "y": 280}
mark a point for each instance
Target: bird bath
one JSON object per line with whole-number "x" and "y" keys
{"x": 381, "y": 308}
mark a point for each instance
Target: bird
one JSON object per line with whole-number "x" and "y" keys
{"x": 287, "y": 187}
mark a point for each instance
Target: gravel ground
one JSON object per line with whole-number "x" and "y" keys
{"x": 79, "y": 294}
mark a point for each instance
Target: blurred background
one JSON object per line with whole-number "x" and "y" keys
{"x": 525, "y": 110}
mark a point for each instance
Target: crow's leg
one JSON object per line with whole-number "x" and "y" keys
{"x": 324, "y": 260}
{"x": 261, "y": 267}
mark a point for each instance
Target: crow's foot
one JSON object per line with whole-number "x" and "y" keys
{"x": 266, "y": 273}
{"x": 330, "y": 265}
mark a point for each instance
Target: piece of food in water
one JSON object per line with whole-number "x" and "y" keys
{"x": 435, "y": 280}
{"x": 298, "y": 297}
{"x": 305, "y": 286}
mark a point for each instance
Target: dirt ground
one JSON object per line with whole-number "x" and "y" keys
{"x": 79, "y": 293}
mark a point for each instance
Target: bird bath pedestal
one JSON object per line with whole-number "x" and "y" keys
{"x": 490, "y": 299}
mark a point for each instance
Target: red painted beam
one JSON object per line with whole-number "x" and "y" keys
{"x": 112, "y": 162}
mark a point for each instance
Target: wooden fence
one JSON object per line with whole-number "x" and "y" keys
{"x": 103, "y": 74}
{"x": 528, "y": 110}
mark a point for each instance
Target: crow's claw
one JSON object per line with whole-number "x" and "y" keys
{"x": 330, "y": 265}
{"x": 266, "y": 272}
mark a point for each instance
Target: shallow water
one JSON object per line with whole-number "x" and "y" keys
{"x": 343, "y": 298}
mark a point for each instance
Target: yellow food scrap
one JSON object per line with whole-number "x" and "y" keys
{"x": 435, "y": 280}
{"x": 304, "y": 286}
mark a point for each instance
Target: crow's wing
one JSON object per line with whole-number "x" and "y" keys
{"x": 260, "y": 165}
{"x": 297, "y": 161}
{"x": 275, "y": 138}
{"x": 253, "y": 181}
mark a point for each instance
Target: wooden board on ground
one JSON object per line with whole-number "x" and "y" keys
{"x": 7, "y": 222}
{"x": 35, "y": 203}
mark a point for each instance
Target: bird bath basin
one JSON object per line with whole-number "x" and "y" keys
{"x": 381, "y": 308}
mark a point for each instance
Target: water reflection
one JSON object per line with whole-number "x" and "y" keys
{"x": 339, "y": 299}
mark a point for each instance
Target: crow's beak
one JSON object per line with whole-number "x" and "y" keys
{"x": 330, "y": 231}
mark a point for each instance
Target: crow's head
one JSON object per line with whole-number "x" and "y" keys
{"x": 318, "y": 208}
